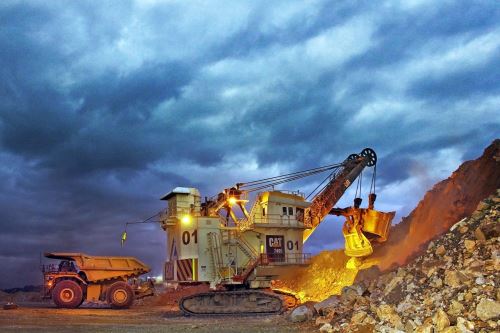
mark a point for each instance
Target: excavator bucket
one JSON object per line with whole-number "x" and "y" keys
{"x": 356, "y": 244}
{"x": 374, "y": 227}
{"x": 377, "y": 224}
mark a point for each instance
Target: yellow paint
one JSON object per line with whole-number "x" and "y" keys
{"x": 93, "y": 292}
{"x": 98, "y": 268}
{"x": 193, "y": 264}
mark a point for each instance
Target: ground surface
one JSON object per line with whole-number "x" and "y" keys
{"x": 42, "y": 317}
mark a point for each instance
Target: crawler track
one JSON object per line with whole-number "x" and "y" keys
{"x": 246, "y": 302}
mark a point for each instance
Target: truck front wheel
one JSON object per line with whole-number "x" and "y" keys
{"x": 67, "y": 294}
{"x": 120, "y": 295}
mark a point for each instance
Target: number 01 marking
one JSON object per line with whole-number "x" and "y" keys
{"x": 186, "y": 237}
{"x": 289, "y": 245}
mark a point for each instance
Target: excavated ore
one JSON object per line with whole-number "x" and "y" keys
{"x": 452, "y": 286}
{"x": 446, "y": 203}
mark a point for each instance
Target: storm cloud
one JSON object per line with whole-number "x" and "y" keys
{"x": 104, "y": 107}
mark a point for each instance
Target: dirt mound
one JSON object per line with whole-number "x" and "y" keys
{"x": 325, "y": 276}
{"x": 446, "y": 203}
{"x": 170, "y": 296}
{"x": 451, "y": 287}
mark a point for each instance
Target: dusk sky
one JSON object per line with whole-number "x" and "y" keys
{"x": 107, "y": 105}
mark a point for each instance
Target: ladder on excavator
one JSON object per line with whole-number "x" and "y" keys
{"x": 215, "y": 256}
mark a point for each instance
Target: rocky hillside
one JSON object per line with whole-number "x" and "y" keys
{"x": 446, "y": 203}
{"x": 451, "y": 287}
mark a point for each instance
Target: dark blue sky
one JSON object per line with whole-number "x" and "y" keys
{"x": 105, "y": 106}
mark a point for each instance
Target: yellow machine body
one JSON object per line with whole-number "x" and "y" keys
{"x": 103, "y": 268}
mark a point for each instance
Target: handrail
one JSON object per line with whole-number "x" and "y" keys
{"x": 285, "y": 258}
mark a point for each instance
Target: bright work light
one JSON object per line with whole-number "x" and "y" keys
{"x": 186, "y": 219}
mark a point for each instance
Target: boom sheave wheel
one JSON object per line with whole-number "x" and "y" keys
{"x": 371, "y": 155}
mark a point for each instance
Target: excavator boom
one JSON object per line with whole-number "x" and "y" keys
{"x": 323, "y": 202}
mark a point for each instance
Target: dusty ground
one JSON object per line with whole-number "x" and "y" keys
{"x": 43, "y": 317}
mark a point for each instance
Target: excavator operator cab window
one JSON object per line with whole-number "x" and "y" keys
{"x": 288, "y": 211}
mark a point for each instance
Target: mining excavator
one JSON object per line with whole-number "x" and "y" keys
{"x": 240, "y": 251}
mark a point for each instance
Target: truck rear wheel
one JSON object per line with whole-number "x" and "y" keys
{"x": 67, "y": 294}
{"x": 120, "y": 295}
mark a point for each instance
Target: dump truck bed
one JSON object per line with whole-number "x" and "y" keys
{"x": 99, "y": 268}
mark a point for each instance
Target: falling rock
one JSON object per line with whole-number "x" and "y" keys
{"x": 482, "y": 205}
{"x": 436, "y": 282}
{"x": 492, "y": 324}
{"x": 301, "y": 313}
{"x": 453, "y": 279}
{"x": 487, "y": 309}
{"x": 470, "y": 245}
{"x": 365, "y": 328}
{"x": 425, "y": 328}
{"x": 456, "y": 308}
{"x": 322, "y": 320}
{"x": 369, "y": 320}
{"x": 441, "y": 320}
{"x": 386, "y": 312}
{"x": 329, "y": 303}
{"x": 468, "y": 296}
{"x": 478, "y": 233}
{"x": 464, "y": 325}
{"x": 327, "y": 328}
{"x": 404, "y": 307}
{"x": 480, "y": 280}
{"x": 358, "y": 317}
{"x": 491, "y": 230}
{"x": 440, "y": 250}
{"x": 350, "y": 293}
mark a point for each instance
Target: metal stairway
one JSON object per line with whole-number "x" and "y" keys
{"x": 215, "y": 256}
{"x": 246, "y": 224}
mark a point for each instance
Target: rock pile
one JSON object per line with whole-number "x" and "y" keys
{"x": 451, "y": 287}
{"x": 449, "y": 201}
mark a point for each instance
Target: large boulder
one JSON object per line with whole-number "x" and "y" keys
{"x": 487, "y": 309}
{"x": 301, "y": 313}
{"x": 327, "y": 305}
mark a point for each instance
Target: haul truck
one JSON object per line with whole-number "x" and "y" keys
{"x": 239, "y": 252}
{"x": 80, "y": 277}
